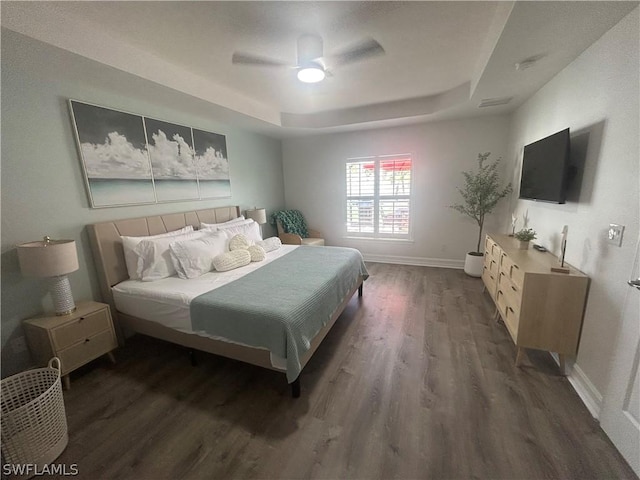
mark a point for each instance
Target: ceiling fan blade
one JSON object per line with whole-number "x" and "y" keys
{"x": 248, "y": 59}
{"x": 357, "y": 52}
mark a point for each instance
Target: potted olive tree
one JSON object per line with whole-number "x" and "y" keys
{"x": 480, "y": 194}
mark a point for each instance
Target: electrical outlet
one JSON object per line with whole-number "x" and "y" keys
{"x": 614, "y": 234}
{"x": 19, "y": 345}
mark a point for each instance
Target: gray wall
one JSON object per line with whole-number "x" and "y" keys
{"x": 43, "y": 189}
{"x": 440, "y": 152}
{"x": 597, "y": 97}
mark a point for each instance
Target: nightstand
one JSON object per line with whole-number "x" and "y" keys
{"x": 75, "y": 339}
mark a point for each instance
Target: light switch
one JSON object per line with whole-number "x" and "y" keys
{"x": 614, "y": 234}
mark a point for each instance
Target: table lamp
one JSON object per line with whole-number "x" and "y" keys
{"x": 52, "y": 259}
{"x": 259, "y": 215}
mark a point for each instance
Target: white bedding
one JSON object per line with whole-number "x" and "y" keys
{"x": 166, "y": 301}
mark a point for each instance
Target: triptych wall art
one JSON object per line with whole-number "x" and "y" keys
{"x": 129, "y": 159}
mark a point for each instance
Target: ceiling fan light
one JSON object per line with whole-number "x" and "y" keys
{"x": 311, "y": 74}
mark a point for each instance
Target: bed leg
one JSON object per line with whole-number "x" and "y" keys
{"x": 295, "y": 388}
{"x": 360, "y": 290}
{"x": 192, "y": 357}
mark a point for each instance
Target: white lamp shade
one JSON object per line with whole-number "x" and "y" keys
{"x": 48, "y": 258}
{"x": 259, "y": 215}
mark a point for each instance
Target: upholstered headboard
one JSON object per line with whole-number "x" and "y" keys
{"x": 107, "y": 249}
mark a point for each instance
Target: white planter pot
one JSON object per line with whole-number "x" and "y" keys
{"x": 473, "y": 264}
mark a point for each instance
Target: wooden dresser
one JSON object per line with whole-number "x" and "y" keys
{"x": 540, "y": 308}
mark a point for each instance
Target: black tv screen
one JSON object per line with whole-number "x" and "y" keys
{"x": 545, "y": 169}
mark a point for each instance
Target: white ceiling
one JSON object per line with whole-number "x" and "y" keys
{"x": 442, "y": 58}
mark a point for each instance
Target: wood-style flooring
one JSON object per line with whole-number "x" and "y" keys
{"x": 415, "y": 381}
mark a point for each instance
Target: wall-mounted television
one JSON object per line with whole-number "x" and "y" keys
{"x": 545, "y": 169}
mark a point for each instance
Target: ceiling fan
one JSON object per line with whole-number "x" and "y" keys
{"x": 312, "y": 65}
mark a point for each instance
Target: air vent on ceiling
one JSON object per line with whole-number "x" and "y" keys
{"x": 528, "y": 62}
{"x": 494, "y": 102}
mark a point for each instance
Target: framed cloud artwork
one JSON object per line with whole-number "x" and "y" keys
{"x": 212, "y": 164}
{"x": 129, "y": 159}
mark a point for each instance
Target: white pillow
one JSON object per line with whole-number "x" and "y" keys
{"x": 270, "y": 244}
{"x": 248, "y": 228}
{"x": 193, "y": 258}
{"x": 214, "y": 226}
{"x": 230, "y": 260}
{"x": 130, "y": 243}
{"x": 154, "y": 260}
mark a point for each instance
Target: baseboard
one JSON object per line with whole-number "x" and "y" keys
{"x": 586, "y": 390}
{"x": 415, "y": 261}
{"x": 589, "y": 394}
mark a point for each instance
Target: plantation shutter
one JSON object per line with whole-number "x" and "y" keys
{"x": 379, "y": 196}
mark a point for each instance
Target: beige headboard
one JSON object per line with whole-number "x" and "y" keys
{"x": 107, "y": 246}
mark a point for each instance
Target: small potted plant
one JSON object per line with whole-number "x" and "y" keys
{"x": 524, "y": 236}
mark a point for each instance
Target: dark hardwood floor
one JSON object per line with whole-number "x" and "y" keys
{"x": 415, "y": 380}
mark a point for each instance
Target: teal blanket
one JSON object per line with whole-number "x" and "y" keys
{"x": 292, "y": 221}
{"x": 282, "y": 305}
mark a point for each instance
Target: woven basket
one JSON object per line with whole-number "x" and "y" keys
{"x": 34, "y": 422}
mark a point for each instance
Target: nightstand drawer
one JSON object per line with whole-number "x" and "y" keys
{"x": 80, "y": 328}
{"x": 87, "y": 350}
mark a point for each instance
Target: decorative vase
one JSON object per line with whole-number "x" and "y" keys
{"x": 473, "y": 264}
{"x": 523, "y": 244}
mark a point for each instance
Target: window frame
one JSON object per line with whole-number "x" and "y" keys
{"x": 376, "y": 197}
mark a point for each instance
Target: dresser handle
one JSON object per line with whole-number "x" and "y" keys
{"x": 81, "y": 318}
{"x": 87, "y": 340}
{"x": 514, "y": 288}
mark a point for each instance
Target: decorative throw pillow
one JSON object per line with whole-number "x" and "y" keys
{"x": 270, "y": 244}
{"x": 257, "y": 253}
{"x": 239, "y": 241}
{"x": 230, "y": 260}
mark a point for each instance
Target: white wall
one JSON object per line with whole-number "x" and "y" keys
{"x": 597, "y": 97}
{"x": 43, "y": 189}
{"x": 314, "y": 173}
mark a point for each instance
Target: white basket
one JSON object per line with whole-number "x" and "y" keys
{"x": 34, "y": 422}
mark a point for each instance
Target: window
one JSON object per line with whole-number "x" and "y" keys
{"x": 379, "y": 196}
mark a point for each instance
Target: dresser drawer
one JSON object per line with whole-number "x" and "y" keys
{"x": 492, "y": 249}
{"x": 80, "y": 329}
{"x": 509, "y": 315}
{"x": 489, "y": 281}
{"x": 85, "y": 351}
{"x": 512, "y": 271}
{"x": 510, "y": 290}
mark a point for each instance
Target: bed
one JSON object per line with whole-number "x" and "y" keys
{"x": 137, "y": 309}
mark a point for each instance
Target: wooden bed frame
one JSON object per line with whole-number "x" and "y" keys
{"x": 108, "y": 255}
